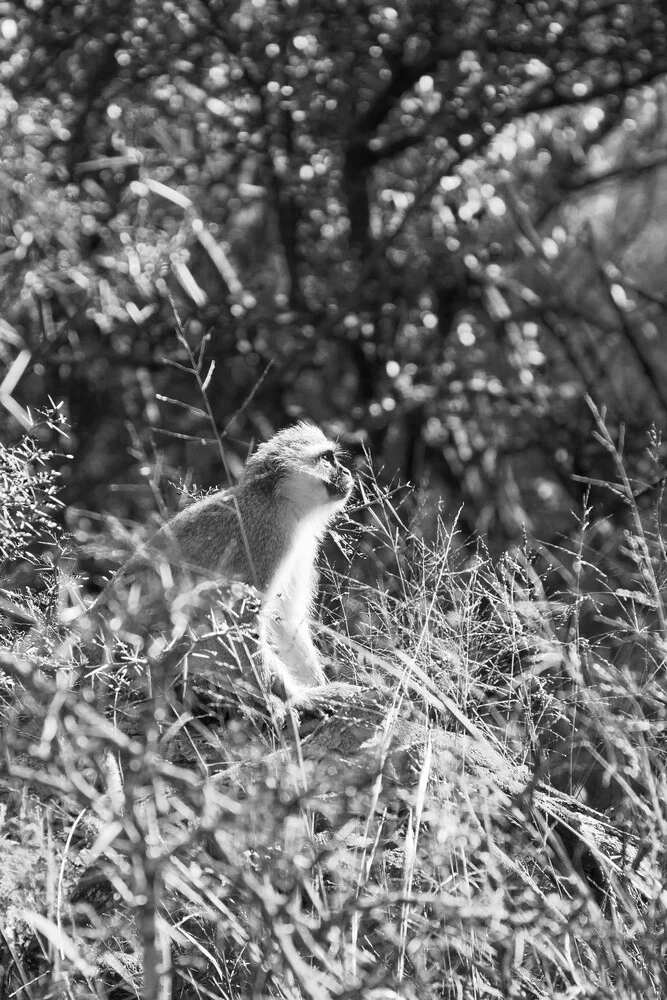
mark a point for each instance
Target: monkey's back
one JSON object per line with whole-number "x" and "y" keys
{"x": 202, "y": 539}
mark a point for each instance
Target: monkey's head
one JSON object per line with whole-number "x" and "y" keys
{"x": 302, "y": 466}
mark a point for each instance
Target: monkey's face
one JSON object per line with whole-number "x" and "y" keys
{"x": 302, "y": 466}
{"x": 337, "y": 479}
{"x": 317, "y": 481}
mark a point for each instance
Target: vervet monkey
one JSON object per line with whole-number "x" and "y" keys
{"x": 266, "y": 531}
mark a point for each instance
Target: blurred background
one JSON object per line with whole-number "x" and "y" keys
{"x": 433, "y": 228}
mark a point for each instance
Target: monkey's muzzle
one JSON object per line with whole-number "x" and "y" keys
{"x": 340, "y": 485}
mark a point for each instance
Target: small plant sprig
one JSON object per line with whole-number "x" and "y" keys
{"x": 29, "y": 492}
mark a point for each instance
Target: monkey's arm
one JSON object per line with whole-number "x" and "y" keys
{"x": 285, "y": 628}
{"x": 296, "y": 649}
{"x": 288, "y": 653}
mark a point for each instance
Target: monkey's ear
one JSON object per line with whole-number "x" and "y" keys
{"x": 273, "y": 464}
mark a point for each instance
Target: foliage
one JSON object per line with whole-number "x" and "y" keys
{"x": 28, "y": 500}
{"x": 31, "y": 542}
{"x": 437, "y": 228}
{"x": 439, "y": 225}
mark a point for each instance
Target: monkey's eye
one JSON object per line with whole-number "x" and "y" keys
{"x": 329, "y": 457}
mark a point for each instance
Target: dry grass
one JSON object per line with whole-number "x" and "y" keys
{"x": 168, "y": 831}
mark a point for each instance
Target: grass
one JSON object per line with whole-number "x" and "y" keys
{"x": 168, "y": 833}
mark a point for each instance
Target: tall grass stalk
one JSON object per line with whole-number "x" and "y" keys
{"x": 419, "y": 839}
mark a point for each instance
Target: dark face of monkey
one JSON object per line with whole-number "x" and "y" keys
{"x": 301, "y": 464}
{"x": 320, "y": 480}
{"x": 337, "y": 480}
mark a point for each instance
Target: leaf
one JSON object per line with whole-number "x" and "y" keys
{"x": 208, "y": 378}
{"x": 638, "y": 596}
{"x": 59, "y": 940}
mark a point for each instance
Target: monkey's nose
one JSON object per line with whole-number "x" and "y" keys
{"x": 341, "y": 484}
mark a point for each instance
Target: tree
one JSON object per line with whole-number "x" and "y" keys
{"x": 383, "y": 203}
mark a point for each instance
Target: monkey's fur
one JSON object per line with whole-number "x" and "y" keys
{"x": 266, "y": 531}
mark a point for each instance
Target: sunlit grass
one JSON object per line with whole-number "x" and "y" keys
{"x": 169, "y": 830}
